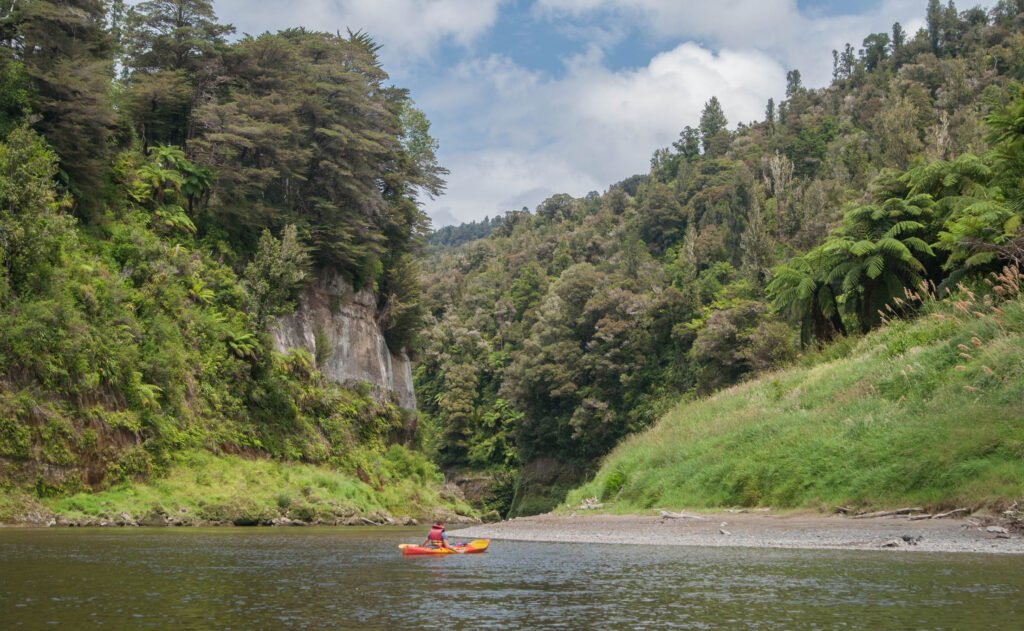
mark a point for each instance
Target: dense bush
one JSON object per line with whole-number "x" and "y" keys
{"x": 153, "y": 226}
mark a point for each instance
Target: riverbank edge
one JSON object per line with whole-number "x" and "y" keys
{"x": 35, "y": 514}
{"x": 204, "y": 489}
{"x": 976, "y": 533}
{"x": 61, "y": 521}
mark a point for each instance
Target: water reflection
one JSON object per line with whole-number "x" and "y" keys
{"x": 355, "y": 578}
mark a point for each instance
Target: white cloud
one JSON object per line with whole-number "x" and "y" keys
{"x": 514, "y": 137}
{"x": 408, "y": 29}
{"x": 727, "y": 21}
{"x": 490, "y": 182}
{"x": 799, "y": 39}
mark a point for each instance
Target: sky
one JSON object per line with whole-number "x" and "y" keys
{"x": 529, "y": 98}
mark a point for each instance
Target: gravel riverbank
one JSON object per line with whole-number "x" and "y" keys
{"x": 978, "y": 533}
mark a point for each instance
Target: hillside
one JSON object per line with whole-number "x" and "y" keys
{"x": 155, "y": 226}
{"x": 925, "y": 413}
{"x": 556, "y": 333}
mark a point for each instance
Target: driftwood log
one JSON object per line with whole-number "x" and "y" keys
{"x": 955, "y": 511}
{"x": 669, "y": 515}
{"x": 889, "y": 513}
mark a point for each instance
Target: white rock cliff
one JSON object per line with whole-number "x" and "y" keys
{"x": 331, "y": 313}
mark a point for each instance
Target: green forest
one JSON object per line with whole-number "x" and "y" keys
{"x": 552, "y": 335}
{"x": 165, "y": 195}
{"x": 169, "y": 187}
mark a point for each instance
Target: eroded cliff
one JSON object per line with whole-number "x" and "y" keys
{"x": 332, "y": 314}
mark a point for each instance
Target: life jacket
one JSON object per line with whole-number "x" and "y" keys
{"x": 436, "y": 535}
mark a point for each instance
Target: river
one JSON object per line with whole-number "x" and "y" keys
{"x": 355, "y": 578}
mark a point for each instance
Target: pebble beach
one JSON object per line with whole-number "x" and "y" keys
{"x": 973, "y": 534}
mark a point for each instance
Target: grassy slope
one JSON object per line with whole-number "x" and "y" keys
{"x": 200, "y": 487}
{"x": 928, "y": 412}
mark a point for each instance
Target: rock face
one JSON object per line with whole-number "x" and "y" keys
{"x": 330, "y": 313}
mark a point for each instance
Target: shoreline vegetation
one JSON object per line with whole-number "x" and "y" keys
{"x": 859, "y": 430}
{"x": 201, "y": 489}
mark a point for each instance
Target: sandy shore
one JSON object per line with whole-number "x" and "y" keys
{"x": 761, "y": 530}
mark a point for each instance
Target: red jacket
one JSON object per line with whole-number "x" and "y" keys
{"x": 436, "y": 535}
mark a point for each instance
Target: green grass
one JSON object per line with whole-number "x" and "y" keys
{"x": 202, "y": 487}
{"x": 928, "y": 412}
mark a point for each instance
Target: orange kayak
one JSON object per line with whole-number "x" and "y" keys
{"x": 477, "y": 545}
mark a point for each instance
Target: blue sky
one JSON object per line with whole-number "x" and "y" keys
{"x": 529, "y": 98}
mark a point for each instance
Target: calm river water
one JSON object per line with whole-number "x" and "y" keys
{"x": 353, "y": 578}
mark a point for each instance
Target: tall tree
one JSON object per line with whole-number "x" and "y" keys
{"x": 756, "y": 241}
{"x": 899, "y": 40}
{"x": 169, "y": 48}
{"x": 952, "y": 29}
{"x": 875, "y": 50}
{"x": 173, "y": 35}
{"x": 15, "y": 96}
{"x": 933, "y": 19}
{"x": 67, "y": 54}
{"x": 34, "y": 234}
{"x": 275, "y": 274}
{"x": 712, "y": 127}
{"x": 777, "y": 172}
{"x": 307, "y": 133}
{"x": 794, "y": 83}
{"x": 688, "y": 144}
{"x": 421, "y": 150}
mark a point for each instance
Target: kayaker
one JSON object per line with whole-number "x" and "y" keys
{"x": 437, "y": 537}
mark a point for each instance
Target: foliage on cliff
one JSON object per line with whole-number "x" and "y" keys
{"x": 154, "y": 224}
{"x": 570, "y": 327}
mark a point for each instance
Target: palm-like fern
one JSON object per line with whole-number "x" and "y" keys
{"x": 164, "y": 183}
{"x": 800, "y": 292}
{"x": 243, "y": 345}
{"x": 976, "y": 216}
{"x": 876, "y": 254}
